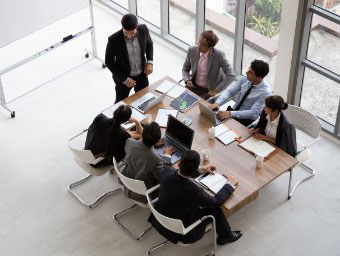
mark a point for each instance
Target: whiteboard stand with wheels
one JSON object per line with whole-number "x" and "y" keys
{"x": 66, "y": 39}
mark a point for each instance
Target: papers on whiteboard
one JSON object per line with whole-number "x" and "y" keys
{"x": 136, "y": 114}
{"x": 173, "y": 89}
{"x": 162, "y": 116}
{"x": 258, "y": 147}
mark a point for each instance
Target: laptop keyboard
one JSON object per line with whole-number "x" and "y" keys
{"x": 145, "y": 103}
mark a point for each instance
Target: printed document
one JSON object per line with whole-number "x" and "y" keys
{"x": 213, "y": 182}
{"x": 162, "y": 116}
{"x": 258, "y": 147}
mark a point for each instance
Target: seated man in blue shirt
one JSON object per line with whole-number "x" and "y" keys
{"x": 251, "y": 91}
{"x": 181, "y": 198}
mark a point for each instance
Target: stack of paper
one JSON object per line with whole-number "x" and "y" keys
{"x": 135, "y": 114}
{"x": 162, "y": 116}
{"x": 213, "y": 182}
{"x": 225, "y": 134}
{"x": 172, "y": 89}
{"x": 258, "y": 147}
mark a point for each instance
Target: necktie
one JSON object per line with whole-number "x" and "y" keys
{"x": 244, "y": 98}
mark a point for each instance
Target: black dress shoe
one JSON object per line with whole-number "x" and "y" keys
{"x": 234, "y": 236}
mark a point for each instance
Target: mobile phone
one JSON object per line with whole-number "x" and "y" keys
{"x": 187, "y": 121}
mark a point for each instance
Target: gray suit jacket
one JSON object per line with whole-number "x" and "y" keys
{"x": 220, "y": 73}
{"x": 142, "y": 163}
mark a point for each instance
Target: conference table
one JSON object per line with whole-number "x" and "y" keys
{"x": 231, "y": 159}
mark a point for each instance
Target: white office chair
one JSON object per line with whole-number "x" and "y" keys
{"x": 309, "y": 124}
{"x": 176, "y": 225}
{"x": 84, "y": 158}
{"x": 137, "y": 186}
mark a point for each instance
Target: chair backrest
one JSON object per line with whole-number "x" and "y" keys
{"x": 304, "y": 120}
{"x": 76, "y": 145}
{"x": 174, "y": 225}
{"x": 137, "y": 186}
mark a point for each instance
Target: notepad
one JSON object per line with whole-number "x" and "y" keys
{"x": 213, "y": 182}
{"x": 162, "y": 116}
{"x": 258, "y": 147}
{"x": 165, "y": 86}
{"x": 172, "y": 89}
{"x": 225, "y": 134}
{"x": 135, "y": 114}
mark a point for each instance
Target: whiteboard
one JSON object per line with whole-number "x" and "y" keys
{"x": 19, "y": 18}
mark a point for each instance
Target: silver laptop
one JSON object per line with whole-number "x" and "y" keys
{"x": 210, "y": 114}
{"x": 177, "y": 135}
{"x": 147, "y": 101}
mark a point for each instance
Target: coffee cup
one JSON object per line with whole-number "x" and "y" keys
{"x": 259, "y": 161}
{"x": 212, "y": 133}
{"x": 205, "y": 154}
{"x": 148, "y": 119}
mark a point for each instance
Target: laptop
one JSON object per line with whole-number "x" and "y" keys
{"x": 210, "y": 114}
{"x": 177, "y": 135}
{"x": 147, "y": 102}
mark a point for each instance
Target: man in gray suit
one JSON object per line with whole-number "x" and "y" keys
{"x": 210, "y": 70}
{"x": 142, "y": 162}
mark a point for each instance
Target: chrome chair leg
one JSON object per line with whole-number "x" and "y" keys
{"x": 123, "y": 212}
{"x": 311, "y": 174}
{"x": 93, "y": 204}
{"x": 157, "y": 246}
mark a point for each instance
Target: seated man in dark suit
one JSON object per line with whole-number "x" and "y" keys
{"x": 142, "y": 162}
{"x": 181, "y": 198}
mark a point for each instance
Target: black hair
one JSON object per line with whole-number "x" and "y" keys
{"x": 121, "y": 114}
{"x": 276, "y": 103}
{"x": 260, "y": 68}
{"x": 129, "y": 22}
{"x": 151, "y": 134}
{"x": 189, "y": 163}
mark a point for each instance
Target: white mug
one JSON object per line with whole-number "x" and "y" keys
{"x": 259, "y": 161}
{"x": 211, "y": 132}
{"x": 148, "y": 118}
{"x": 205, "y": 153}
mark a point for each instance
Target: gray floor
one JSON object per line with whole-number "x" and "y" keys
{"x": 39, "y": 217}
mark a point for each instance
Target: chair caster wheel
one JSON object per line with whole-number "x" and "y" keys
{"x": 87, "y": 55}
{"x": 103, "y": 66}
{"x": 13, "y": 114}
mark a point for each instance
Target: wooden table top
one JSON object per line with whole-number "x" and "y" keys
{"x": 230, "y": 159}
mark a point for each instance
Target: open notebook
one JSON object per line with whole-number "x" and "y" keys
{"x": 172, "y": 89}
{"x": 258, "y": 147}
{"x": 213, "y": 182}
{"x": 225, "y": 134}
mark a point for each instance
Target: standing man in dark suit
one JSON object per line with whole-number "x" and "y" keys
{"x": 181, "y": 198}
{"x": 129, "y": 56}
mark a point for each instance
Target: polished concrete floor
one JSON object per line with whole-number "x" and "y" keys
{"x": 38, "y": 215}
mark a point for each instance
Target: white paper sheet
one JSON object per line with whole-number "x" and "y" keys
{"x": 176, "y": 91}
{"x": 162, "y": 116}
{"x": 165, "y": 86}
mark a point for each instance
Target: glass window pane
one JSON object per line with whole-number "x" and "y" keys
{"x": 320, "y": 96}
{"x": 182, "y": 20}
{"x": 122, "y": 3}
{"x": 220, "y": 17}
{"x": 324, "y": 44}
{"x": 261, "y": 34}
{"x": 150, "y": 11}
{"x": 330, "y": 5}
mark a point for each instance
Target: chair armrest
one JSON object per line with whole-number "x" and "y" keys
{"x": 97, "y": 160}
{"x": 149, "y": 191}
{"x": 196, "y": 223}
{"x": 308, "y": 145}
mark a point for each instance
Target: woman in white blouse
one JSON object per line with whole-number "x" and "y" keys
{"x": 275, "y": 127}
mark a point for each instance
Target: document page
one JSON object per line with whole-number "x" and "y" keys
{"x": 165, "y": 86}
{"x": 258, "y": 147}
{"x": 220, "y": 129}
{"x": 162, "y": 116}
{"x": 213, "y": 182}
{"x": 228, "y": 137}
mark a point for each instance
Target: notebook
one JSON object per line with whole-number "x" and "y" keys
{"x": 225, "y": 134}
{"x": 184, "y": 102}
{"x": 162, "y": 116}
{"x": 258, "y": 147}
{"x": 172, "y": 89}
{"x": 213, "y": 182}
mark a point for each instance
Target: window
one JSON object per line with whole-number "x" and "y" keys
{"x": 220, "y": 17}
{"x": 122, "y": 3}
{"x": 261, "y": 35}
{"x": 330, "y": 5}
{"x": 320, "y": 96}
{"x": 149, "y": 10}
{"x": 182, "y": 20}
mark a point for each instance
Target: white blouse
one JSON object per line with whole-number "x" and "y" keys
{"x": 271, "y": 127}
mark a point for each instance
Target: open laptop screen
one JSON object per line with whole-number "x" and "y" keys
{"x": 180, "y": 131}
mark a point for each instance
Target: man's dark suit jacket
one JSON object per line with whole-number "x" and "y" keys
{"x": 117, "y": 58}
{"x": 181, "y": 198}
{"x": 285, "y": 135}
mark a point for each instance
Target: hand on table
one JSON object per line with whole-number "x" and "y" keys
{"x": 214, "y": 106}
{"x": 211, "y": 93}
{"x": 169, "y": 150}
{"x": 224, "y": 115}
{"x": 233, "y": 180}
{"x": 209, "y": 169}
